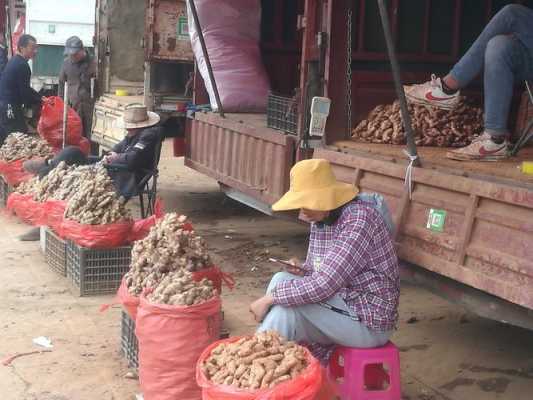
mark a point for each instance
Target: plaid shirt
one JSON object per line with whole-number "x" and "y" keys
{"x": 355, "y": 257}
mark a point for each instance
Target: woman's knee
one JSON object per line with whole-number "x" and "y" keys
{"x": 280, "y": 277}
{"x": 512, "y": 11}
{"x": 499, "y": 48}
{"x": 280, "y": 319}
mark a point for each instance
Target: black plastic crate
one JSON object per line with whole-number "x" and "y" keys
{"x": 55, "y": 252}
{"x": 5, "y": 190}
{"x": 97, "y": 271}
{"x": 282, "y": 113}
{"x": 129, "y": 346}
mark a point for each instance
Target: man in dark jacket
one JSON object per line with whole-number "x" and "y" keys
{"x": 127, "y": 162}
{"x": 78, "y": 69}
{"x": 15, "y": 89}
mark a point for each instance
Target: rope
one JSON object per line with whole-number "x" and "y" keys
{"x": 409, "y": 172}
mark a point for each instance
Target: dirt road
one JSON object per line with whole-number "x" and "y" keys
{"x": 446, "y": 353}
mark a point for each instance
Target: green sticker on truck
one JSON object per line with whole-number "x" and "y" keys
{"x": 436, "y": 220}
{"x": 182, "y": 28}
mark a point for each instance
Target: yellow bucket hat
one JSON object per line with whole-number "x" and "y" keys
{"x": 314, "y": 187}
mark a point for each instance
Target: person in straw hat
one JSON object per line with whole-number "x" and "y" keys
{"x": 132, "y": 156}
{"x": 347, "y": 291}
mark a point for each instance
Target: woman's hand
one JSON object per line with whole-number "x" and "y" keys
{"x": 260, "y": 307}
{"x": 297, "y": 268}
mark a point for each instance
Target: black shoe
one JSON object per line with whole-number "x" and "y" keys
{"x": 33, "y": 235}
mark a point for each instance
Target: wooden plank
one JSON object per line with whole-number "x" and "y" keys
{"x": 335, "y": 75}
{"x": 496, "y": 191}
{"x": 519, "y": 225}
{"x": 467, "y": 229}
{"x": 358, "y": 174}
{"x": 456, "y": 29}
{"x": 435, "y": 158}
{"x": 500, "y": 259}
{"x": 402, "y": 211}
{"x": 507, "y": 290}
{"x": 242, "y": 123}
{"x": 443, "y": 240}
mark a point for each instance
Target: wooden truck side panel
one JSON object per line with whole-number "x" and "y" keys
{"x": 255, "y": 161}
{"x": 487, "y": 241}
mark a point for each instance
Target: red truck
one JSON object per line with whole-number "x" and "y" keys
{"x": 482, "y": 256}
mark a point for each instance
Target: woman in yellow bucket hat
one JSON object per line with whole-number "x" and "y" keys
{"x": 347, "y": 291}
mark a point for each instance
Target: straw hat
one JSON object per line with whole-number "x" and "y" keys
{"x": 314, "y": 187}
{"x": 137, "y": 116}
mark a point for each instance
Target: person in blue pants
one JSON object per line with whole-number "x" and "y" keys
{"x": 504, "y": 50}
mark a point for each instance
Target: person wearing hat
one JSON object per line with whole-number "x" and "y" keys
{"x": 78, "y": 69}
{"x": 127, "y": 161}
{"x": 347, "y": 291}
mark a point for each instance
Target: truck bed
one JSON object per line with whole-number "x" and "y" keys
{"x": 240, "y": 152}
{"x": 435, "y": 158}
{"x": 486, "y": 240}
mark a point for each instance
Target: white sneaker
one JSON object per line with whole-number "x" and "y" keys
{"x": 481, "y": 149}
{"x": 431, "y": 94}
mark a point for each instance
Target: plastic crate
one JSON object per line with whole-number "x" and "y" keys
{"x": 282, "y": 113}
{"x": 55, "y": 252}
{"x": 129, "y": 346}
{"x": 5, "y": 190}
{"x": 96, "y": 271}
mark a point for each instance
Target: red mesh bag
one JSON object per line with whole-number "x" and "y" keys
{"x": 312, "y": 384}
{"x": 96, "y": 236}
{"x": 50, "y": 125}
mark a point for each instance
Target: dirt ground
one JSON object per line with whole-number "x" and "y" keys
{"x": 446, "y": 353}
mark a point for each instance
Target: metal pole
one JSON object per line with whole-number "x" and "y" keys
{"x": 65, "y": 113}
{"x": 8, "y": 32}
{"x": 406, "y": 118}
{"x": 206, "y": 57}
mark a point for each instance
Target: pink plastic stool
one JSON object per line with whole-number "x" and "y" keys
{"x": 366, "y": 374}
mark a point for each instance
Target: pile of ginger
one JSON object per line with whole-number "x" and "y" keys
{"x": 257, "y": 362}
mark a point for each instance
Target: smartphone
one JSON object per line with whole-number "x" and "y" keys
{"x": 286, "y": 263}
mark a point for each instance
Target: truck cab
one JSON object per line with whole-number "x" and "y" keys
{"x": 144, "y": 56}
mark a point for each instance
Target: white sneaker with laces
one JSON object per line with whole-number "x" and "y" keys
{"x": 431, "y": 94}
{"x": 481, "y": 149}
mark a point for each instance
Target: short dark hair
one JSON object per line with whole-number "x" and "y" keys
{"x": 25, "y": 40}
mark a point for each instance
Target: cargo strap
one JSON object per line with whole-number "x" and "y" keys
{"x": 409, "y": 172}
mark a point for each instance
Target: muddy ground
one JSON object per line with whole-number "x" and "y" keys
{"x": 446, "y": 352}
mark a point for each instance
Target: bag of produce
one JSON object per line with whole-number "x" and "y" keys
{"x": 95, "y": 216}
{"x": 141, "y": 227}
{"x": 105, "y": 236}
{"x": 13, "y": 172}
{"x": 17, "y": 148}
{"x": 53, "y": 213}
{"x": 128, "y": 301}
{"x": 27, "y": 209}
{"x": 175, "y": 323}
{"x": 260, "y": 367}
{"x": 50, "y": 125}
{"x": 216, "y": 275}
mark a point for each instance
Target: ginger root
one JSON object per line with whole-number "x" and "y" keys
{"x": 431, "y": 126}
{"x": 263, "y": 361}
{"x": 20, "y": 146}
{"x": 167, "y": 247}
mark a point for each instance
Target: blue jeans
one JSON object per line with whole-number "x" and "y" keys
{"x": 505, "y": 50}
{"x": 313, "y": 323}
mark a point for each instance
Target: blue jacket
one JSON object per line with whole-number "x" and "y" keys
{"x": 15, "y": 86}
